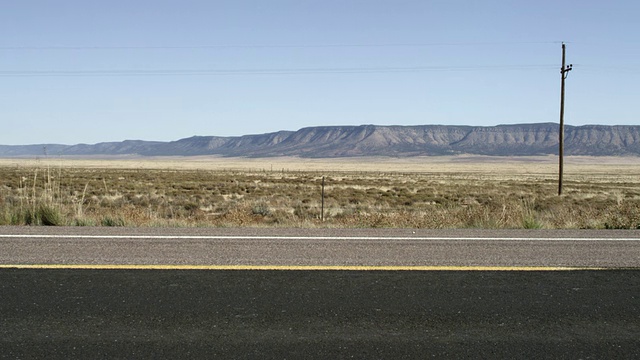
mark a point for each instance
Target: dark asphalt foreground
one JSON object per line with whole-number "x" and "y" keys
{"x": 93, "y": 314}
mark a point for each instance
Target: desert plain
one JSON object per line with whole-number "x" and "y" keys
{"x": 414, "y": 192}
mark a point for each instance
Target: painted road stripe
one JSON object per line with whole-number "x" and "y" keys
{"x": 295, "y": 267}
{"x": 235, "y": 237}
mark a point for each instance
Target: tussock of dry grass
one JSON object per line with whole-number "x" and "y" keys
{"x": 482, "y": 194}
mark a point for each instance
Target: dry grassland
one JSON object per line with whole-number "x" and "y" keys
{"x": 421, "y": 192}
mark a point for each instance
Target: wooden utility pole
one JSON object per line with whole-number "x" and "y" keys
{"x": 563, "y": 74}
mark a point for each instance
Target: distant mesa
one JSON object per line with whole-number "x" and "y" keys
{"x": 373, "y": 140}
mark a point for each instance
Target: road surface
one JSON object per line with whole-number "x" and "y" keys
{"x": 179, "y": 293}
{"x": 329, "y": 248}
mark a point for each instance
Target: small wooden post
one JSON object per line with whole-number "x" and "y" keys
{"x": 322, "y": 211}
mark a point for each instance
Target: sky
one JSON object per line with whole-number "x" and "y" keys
{"x": 78, "y": 71}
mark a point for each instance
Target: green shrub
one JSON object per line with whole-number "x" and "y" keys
{"x": 261, "y": 209}
{"x": 110, "y": 221}
{"x": 83, "y": 222}
{"x": 42, "y": 215}
{"x": 5, "y": 218}
{"x": 530, "y": 222}
{"x": 49, "y": 216}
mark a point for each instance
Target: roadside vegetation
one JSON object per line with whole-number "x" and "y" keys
{"x": 33, "y": 195}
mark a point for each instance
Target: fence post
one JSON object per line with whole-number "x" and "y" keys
{"x": 322, "y": 211}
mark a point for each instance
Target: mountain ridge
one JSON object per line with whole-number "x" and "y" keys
{"x": 373, "y": 140}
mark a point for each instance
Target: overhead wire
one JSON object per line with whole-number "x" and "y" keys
{"x": 275, "y": 71}
{"x": 259, "y": 46}
{"x": 267, "y": 71}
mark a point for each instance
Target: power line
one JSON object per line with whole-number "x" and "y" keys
{"x": 629, "y": 68}
{"x": 258, "y": 46}
{"x": 282, "y": 71}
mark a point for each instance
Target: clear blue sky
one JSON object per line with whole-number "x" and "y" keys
{"x": 92, "y": 71}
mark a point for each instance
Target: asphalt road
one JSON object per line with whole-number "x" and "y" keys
{"x": 144, "y": 314}
{"x": 61, "y": 313}
{"x": 320, "y": 247}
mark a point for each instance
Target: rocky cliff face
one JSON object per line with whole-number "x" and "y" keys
{"x": 372, "y": 140}
{"x": 603, "y": 140}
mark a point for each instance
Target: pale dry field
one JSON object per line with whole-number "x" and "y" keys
{"x": 437, "y": 164}
{"x": 427, "y": 192}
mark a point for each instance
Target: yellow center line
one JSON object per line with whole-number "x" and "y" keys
{"x": 294, "y": 267}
